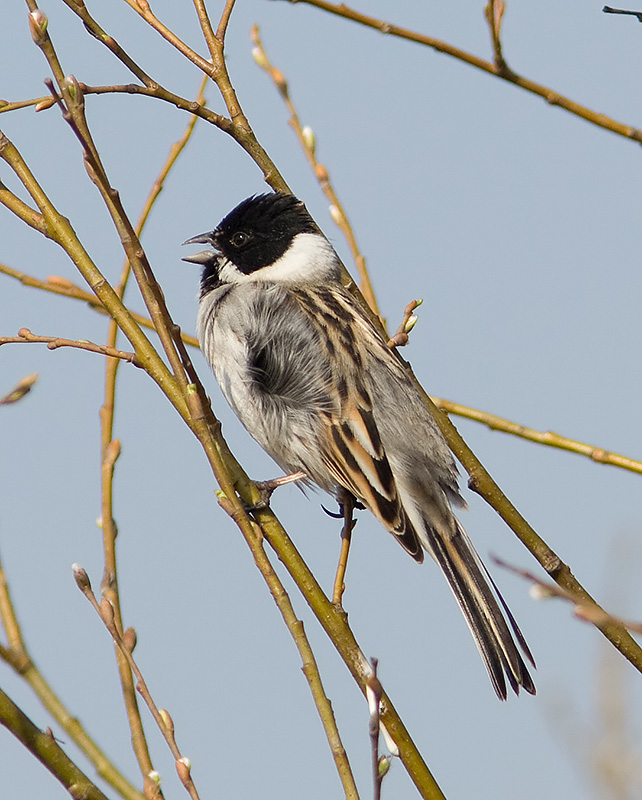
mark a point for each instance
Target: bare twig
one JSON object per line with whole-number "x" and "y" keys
{"x": 547, "y": 438}
{"x": 110, "y": 449}
{"x": 54, "y": 342}
{"x": 310, "y": 668}
{"x": 105, "y": 611}
{"x": 552, "y": 98}
{"x": 308, "y": 143}
{"x": 19, "y": 658}
{"x": 588, "y": 612}
{"x": 401, "y": 336}
{"x": 609, "y": 10}
{"x": 66, "y": 288}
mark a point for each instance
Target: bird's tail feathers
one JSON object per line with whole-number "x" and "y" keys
{"x": 482, "y": 604}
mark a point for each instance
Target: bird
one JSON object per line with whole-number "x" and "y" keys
{"x": 313, "y": 380}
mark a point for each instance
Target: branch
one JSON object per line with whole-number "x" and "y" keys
{"x": 310, "y": 667}
{"x": 551, "y": 97}
{"x": 105, "y": 611}
{"x": 46, "y": 749}
{"x": 588, "y": 612}
{"x": 54, "y": 342}
{"x": 308, "y": 143}
{"x": 67, "y": 288}
{"x": 547, "y": 438}
{"x": 19, "y": 658}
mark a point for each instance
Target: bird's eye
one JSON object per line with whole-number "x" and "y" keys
{"x": 239, "y": 239}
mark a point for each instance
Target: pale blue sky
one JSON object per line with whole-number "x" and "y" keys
{"x": 517, "y": 223}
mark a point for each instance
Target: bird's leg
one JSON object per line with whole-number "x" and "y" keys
{"x": 347, "y": 504}
{"x": 266, "y": 488}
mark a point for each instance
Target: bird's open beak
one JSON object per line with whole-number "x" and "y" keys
{"x": 205, "y": 256}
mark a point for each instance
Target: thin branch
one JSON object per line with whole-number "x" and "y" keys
{"x": 66, "y": 288}
{"x": 588, "y": 612}
{"x": 551, "y": 97}
{"x": 19, "y": 658}
{"x": 110, "y": 449}
{"x": 105, "y": 611}
{"x": 308, "y": 143}
{"x": 547, "y": 438}
{"x": 43, "y": 745}
{"x": 401, "y": 336}
{"x": 60, "y": 231}
{"x": 310, "y": 668}
{"x": 609, "y": 10}
{"x": 54, "y": 342}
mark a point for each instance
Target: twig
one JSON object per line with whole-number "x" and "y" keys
{"x": 43, "y": 745}
{"x": 494, "y": 13}
{"x": 346, "y": 500}
{"x": 609, "y": 10}
{"x": 308, "y": 143}
{"x": 380, "y": 766}
{"x": 588, "y": 612}
{"x": 66, "y": 288}
{"x": 547, "y": 438}
{"x": 551, "y": 97}
{"x": 19, "y": 658}
{"x": 110, "y": 449}
{"x": 401, "y": 336}
{"x": 54, "y": 342}
{"x": 105, "y": 611}
{"x": 310, "y": 668}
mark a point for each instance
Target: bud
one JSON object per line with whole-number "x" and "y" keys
{"x": 337, "y": 216}
{"x": 130, "y": 639}
{"x": 107, "y": 612}
{"x": 73, "y": 87}
{"x": 168, "y": 722}
{"x": 81, "y": 578}
{"x": 540, "y": 592}
{"x": 384, "y": 766}
{"x": 259, "y": 56}
{"x": 410, "y": 323}
{"x": 38, "y": 23}
{"x": 309, "y": 139}
{"x": 184, "y": 767}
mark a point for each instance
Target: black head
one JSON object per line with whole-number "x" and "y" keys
{"x": 255, "y": 234}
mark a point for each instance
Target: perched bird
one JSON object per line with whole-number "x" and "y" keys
{"x": 313, "y": 381}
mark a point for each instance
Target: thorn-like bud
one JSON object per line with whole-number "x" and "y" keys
{"x": 184, "y": 769}
{"x": 112, "y": 450}
{"x": 81, "y": 578}
{"x": 279, "y": 79}
{"x": 168, "y": 722}
{"x": 56, "y": 280}
{"x": 309, "y": 139}
{"x": 44, "y": 104}
{"x": 130, "y": 639}
{"x": 38, "y": 23}
{"x": 107, "y": 612}
{"x": 259, "y": 57}
{"x": 321, "y": 173}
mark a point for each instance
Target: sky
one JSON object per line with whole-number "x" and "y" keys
{"x": 518, "y": 225}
